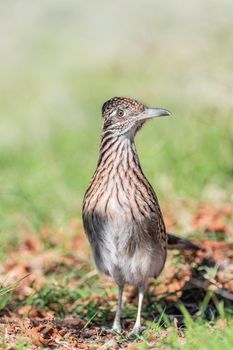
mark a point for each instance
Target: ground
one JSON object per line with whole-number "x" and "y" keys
{"x": 60, "y": 301}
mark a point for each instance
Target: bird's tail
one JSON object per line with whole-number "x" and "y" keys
{"x": 175, "y": 242}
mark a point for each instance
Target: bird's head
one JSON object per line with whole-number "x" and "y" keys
{"x": 123, "y": 115}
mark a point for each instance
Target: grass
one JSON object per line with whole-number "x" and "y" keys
{"x": 60, "y": 62}
{"x": 93, "y": 304}
{"x": 201, "y": 336}
{"x": 50, "y": 115}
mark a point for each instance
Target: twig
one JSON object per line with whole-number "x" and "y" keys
{"x": 206, "y": 285}
{"x": 87, "y": 277}
{"x": 88, "y": 322}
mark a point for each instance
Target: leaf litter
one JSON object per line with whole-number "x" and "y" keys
{"x": 60, "y": 302}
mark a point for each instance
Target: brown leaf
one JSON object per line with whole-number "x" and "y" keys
{"x": 211, "y": 219}
{"x": 32, "y": 243}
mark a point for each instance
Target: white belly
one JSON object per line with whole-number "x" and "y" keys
{"x": 146, "y": 261}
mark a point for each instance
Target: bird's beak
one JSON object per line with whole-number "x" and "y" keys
{"x": 149, "y": 113}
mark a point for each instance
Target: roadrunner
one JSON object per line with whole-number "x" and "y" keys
{"x": 121, "y": 213}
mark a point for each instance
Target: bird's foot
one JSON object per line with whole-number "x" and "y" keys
{"x": 117, "y": 328}
{"x": 136, "y": 331}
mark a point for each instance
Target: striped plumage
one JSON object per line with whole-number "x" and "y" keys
{"x": 121, "y": 214}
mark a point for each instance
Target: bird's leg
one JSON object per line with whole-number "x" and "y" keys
{"x": 117, "y": 320}
{"x": 137, "y": 327}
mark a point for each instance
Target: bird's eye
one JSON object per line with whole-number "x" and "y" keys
{"x": 120, "y": 113}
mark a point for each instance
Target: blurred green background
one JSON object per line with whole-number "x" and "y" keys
{"x": 60, "y": 60}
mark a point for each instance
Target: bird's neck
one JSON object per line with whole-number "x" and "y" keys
{"x": 118, "y": 150}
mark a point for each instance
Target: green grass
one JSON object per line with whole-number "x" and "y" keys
{"x": 44, "y": 177}
{"x": 52, "y": 91}
{"x": 201, "y": 336}
{"x": 196, "y": 334}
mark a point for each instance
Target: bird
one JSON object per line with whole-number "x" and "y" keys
{"x": 121, "y": 214}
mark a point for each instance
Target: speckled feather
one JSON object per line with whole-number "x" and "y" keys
{"x": 121, "y": 214}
